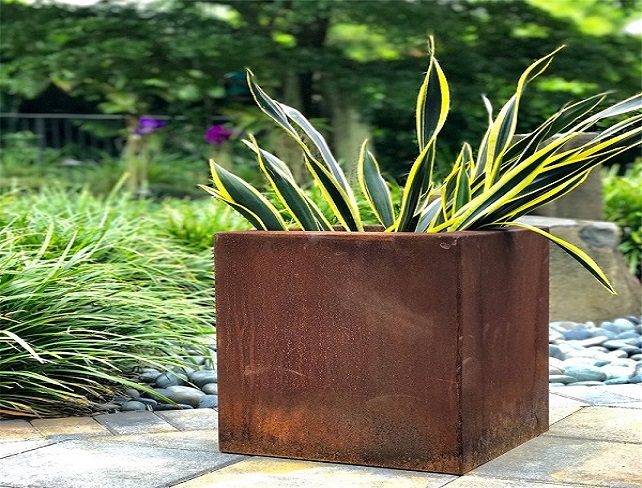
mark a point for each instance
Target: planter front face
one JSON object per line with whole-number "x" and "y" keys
{"x": 414, "y": 351}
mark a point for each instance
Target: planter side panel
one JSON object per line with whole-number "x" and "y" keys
{"x": 504, "y": 309}
{"x": 339, "y": 348}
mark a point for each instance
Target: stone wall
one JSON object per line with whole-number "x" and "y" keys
{"x": 574, "y": 293}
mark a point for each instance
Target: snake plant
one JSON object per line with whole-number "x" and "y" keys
{"x": 491, "y": 187}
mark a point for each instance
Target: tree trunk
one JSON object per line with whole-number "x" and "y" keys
{"x": 349, "y": 129}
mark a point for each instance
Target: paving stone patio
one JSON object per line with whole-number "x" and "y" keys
{"x": 595, "y": 440}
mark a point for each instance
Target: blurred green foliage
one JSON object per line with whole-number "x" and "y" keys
{"x": 175, "y": 57}
{"x": 623, "y": 205}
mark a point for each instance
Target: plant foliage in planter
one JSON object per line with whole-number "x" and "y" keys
{"x": 487, "y": 188}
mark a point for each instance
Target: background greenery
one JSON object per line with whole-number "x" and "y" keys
{"x": 356, "y": 64}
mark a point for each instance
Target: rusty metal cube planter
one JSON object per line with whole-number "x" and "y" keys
{"x": 415, "y": 351}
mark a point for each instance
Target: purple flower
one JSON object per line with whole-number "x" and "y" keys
{"x": 218, "y": 134}
{"x": 147, "y": 125}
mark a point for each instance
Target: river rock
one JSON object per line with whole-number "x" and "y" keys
{"x": 184, "y": 394}
{"x": 168, "y": 379}
{"x": 577, "y": 334}
{"x": 561, "y": 378}
{"x": 133, "y": 405}
{"x": 623, "y": 324}
{"x": 210, "y": 389}
{"x": 200, "y": 378}
{"x": 149, "y": 376}
{"x": 208, "y": 401}
{"x": 586, "y": 373}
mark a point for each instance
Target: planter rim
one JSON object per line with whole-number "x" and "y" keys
{"x": 376, "y": 234}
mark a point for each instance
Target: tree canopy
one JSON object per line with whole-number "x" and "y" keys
{"x": 176, "y": 56}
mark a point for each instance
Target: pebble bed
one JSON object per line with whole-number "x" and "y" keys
{"x": 579, "y": 354}
{"x": 608, "y": 353}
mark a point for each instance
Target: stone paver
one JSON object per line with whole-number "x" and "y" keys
{"x": 597, "y": 395}
{"x": 625, "y": 405}
{"x": 70, "y": 426}
{"x": 9, "y": 448}
{"x": 201, "y": 418}
{"x": 79, "y": 464}
{"x": 134, "y": 423}
{"x": 284, "y": 473}
{"x": 18, "y": 430}
{"x": 567, "y": 460}
{"x": 555, "y": 400}
{"x": 560, "y": 407}
{"x": 602, "y": 423}
{"x": 205, "y": 440}
{"x": 595, "y": 440}
{"x": 630, "y": 391}
{"x": 482, "y": 482}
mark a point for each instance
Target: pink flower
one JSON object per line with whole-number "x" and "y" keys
{"x": 147, "y": 125}
{"x": 218, "y": 134}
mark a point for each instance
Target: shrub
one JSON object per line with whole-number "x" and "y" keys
{"x": 623, "y": 205}
{"x": 93, "y": 288}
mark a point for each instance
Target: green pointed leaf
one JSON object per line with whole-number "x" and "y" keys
{"x": 303, "y": 210}
{"x": 344, "y": 210}
{"x": 251, "y": 217}
{"x": 233, "y": 190}
{"x": 374, "y": 187}
{"x": 322, "y": 147}
{"x": 270, "y": 107}
{"x": 501, "y": 133}
{"x": 428, "y": 215}
{"x": 433, "y": 101}
{"x": 417, "y": 184}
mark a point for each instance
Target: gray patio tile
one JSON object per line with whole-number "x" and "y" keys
{"x": 560, "y": 407}
{"x": 205, "y": 440}
{"x": 630, "y": 390}
{"x": 134, "y": 423}
{"x": 69, "y": 426}
{"x": 637, "y": 405}
{"x": 602, "y": 423}
{"x": 285, "y": 473}
{"x": 592, "y": 394}
{"x": 197, "y": 419}
{"x": 79, "y": 464}
{"x": 17, "y": 430}
{"x": 555, "y": 400}
{"x": 555, "y": 414}
{"x": 565, "y": 460}
{"x": 483, "y": 482}
{"x": 14, "y": 447}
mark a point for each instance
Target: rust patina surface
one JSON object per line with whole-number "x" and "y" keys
{"x": 414, "y": 351}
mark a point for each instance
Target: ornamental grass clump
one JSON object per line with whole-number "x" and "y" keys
{"x": 92, "y": 289}
{"x": 490, "y": 187}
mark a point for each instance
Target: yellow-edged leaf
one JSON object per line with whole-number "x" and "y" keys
{"x": 580, "y": 256}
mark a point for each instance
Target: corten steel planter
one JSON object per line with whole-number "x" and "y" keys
{"x": 415, "y": 351}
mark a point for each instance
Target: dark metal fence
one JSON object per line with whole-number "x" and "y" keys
{"x": 82, "y": 135}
